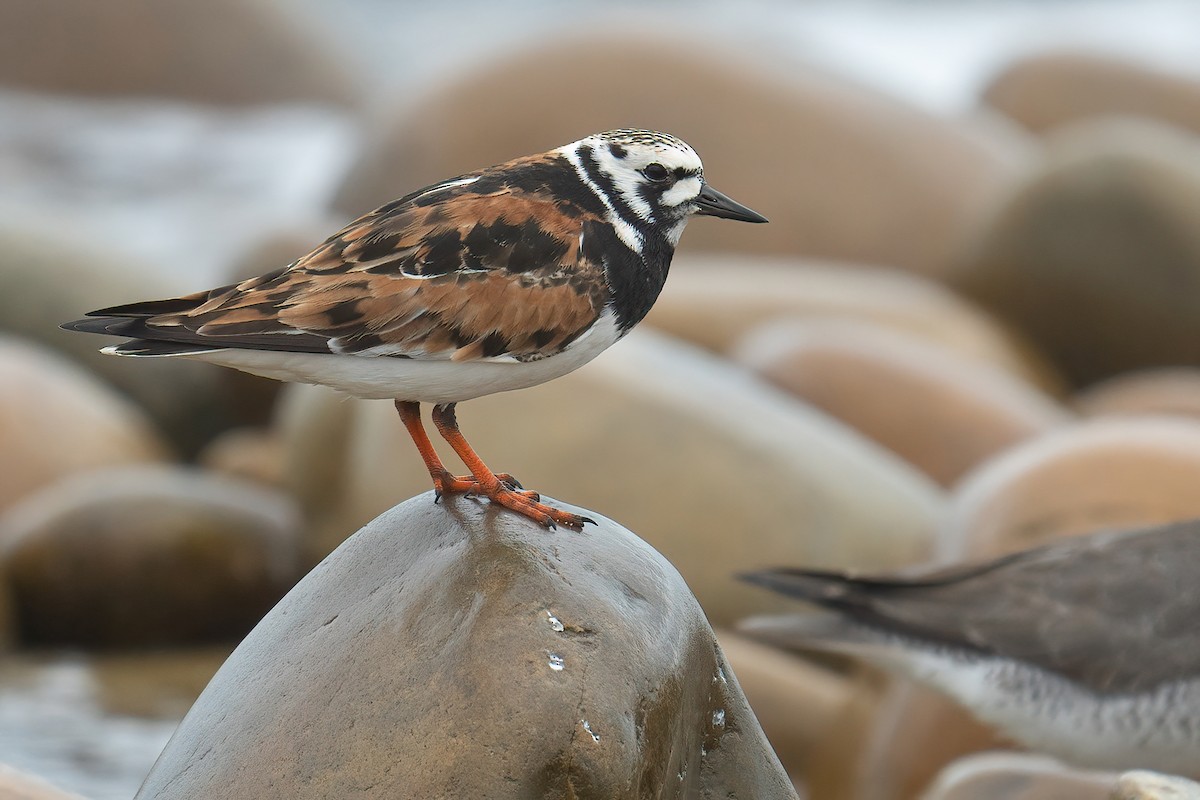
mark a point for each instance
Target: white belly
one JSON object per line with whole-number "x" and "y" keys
{"x": 418, "y": 380}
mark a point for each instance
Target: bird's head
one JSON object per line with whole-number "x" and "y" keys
{"x": 651, "y": 178}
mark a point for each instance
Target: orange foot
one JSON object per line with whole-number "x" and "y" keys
{"x": 504, "y": 491}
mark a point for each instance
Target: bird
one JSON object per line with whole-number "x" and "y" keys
{"x": 491, "y": 281}
{"x": 1087, "y": 649}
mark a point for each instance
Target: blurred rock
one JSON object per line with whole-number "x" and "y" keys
{"x": 458, "y": 650}
{"x": 721, "y": 472}
{"x": 796, "y": 702}
{"x": 1174, "y": 391}
{"x": 56, "y": 420}
{"x": 1017, "y": 776}
{"x": 1048, "y": 90}
{"x": 841, "y": 171}
{"x": 1105, "y": 473}
{"x": 936, "y": 410}
{"x": 224, "y": 52}
{"x": 1095, "y": 257}
{"x": 914, "y": 733}
{"x": 252, "y": 454}
{"x": 47, "y": 278}
{"x": 713, "y": 301}
{"x": 147, "y": 557}
{"x": 1143, "y": 785}
{"x": 18, "y": 785}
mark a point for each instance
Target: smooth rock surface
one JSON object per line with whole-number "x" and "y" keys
{"x": 1017, "y": 776}
{"x": 796, "y": 701}
{"x": 56, "y": 420}
{"x": 147, "y": 556}
{"x": 18, "y": 785}
{"x": 713, "y": 301}
{"x": 1144, "y": 785}
{"x": 252, "y": 454}
{"x": 457, "y": 650}
{"x": 840, "y": 170}
{"x": 939, "y": 412}
{"x": 1095, "y": 256}
{"x": 224, "y": 51}
{"x": 721, "y": 472}
{"x": 1104, "y": 473}
{"x": 1048, "y": 90}
{"x": 1173, "y": 391}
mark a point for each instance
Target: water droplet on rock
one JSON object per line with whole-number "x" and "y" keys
{"x": 719, "y": 718}
{"x": 556, "y": 662}
{"x": 587, "y": 727}
{"x": 555, "y": 623}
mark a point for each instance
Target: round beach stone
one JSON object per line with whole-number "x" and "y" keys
{"x": 251, "y": 454}
{"x": 714, "y": 301}
{"x": 1017, "y": 776}
{"x": 720, "y": 472}
{"x": 936, "y": 410}
{"x": 1105, "y": 473}
{"x": 1145, "y": 785}
{"x": 16, "y": 784}
{"x": 913, "y": 734}
{"x": 56, "y": 420}
{"x": 458, "y": 650}
{"x": 841, "y": 170}
{"x": 1048, "y": 90}
{"x": 1173, "y": 391}
{"x": 224, "y": 51}
{"x": 48, "y": 277}
{"x": 147, "y": 556}
{"x": 1094, "y": 257}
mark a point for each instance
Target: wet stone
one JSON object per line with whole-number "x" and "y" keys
{"x": 457, "y": 650}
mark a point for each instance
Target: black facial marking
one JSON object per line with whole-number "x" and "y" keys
{"x": 606, "y": 185}
{"x": 617, "y": 150}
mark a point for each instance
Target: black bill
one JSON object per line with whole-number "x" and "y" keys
{"x": 712, "y": 203}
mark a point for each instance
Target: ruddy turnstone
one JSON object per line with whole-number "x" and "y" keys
{"x": 494, "y": 280}
{"x": 1087, "y": 649}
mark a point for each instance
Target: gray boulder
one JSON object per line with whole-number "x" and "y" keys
{"x": 455, "y": 650}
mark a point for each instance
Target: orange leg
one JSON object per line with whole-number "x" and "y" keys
{"x": 493, "y": 486}
{"x": 443, "y": 481}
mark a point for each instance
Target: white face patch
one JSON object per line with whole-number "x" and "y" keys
{"x": 625, "y": 231}
{"x": 684, "y": 191}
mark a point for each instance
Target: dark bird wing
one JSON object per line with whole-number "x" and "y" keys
{"x": 1115, "y": 612}
{"x": 473, "y": 268}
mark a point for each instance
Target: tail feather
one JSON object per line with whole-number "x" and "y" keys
{"x": 147, "y": 348}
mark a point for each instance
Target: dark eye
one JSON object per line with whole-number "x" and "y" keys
{"x": 656, "y": 173}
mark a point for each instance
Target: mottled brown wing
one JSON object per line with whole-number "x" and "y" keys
{"x": 471, "y": 276}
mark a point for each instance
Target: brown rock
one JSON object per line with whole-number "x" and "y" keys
{"x": 936, "y": 410}
{"x": 796, "y": 702}
{"x": 1144, "y": 785}
{"x": 915, "y": 732}
{"x": 55, "y": 420}
{"x": 251, "y": 454}
{"x": 226, "y": 51}
{"x": 714, "y": 301}
{"x": 1173, "y": 391}
{"x": 684, "y": 446}
{"x": 47, "y": 277}
{"x": 1017, "y": 776}
{"x": 1095, "y": 256}
{"x": 1048, "y": 90}
{"x": 456, "y": 650}
{"x": 866, "y": 177}
{"x": 18, "y": 785}
{"x": 147, "y": 556}
{"x": 1105, "y": 473}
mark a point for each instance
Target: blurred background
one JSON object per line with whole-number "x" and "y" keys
{"x": 970, "y": 327}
